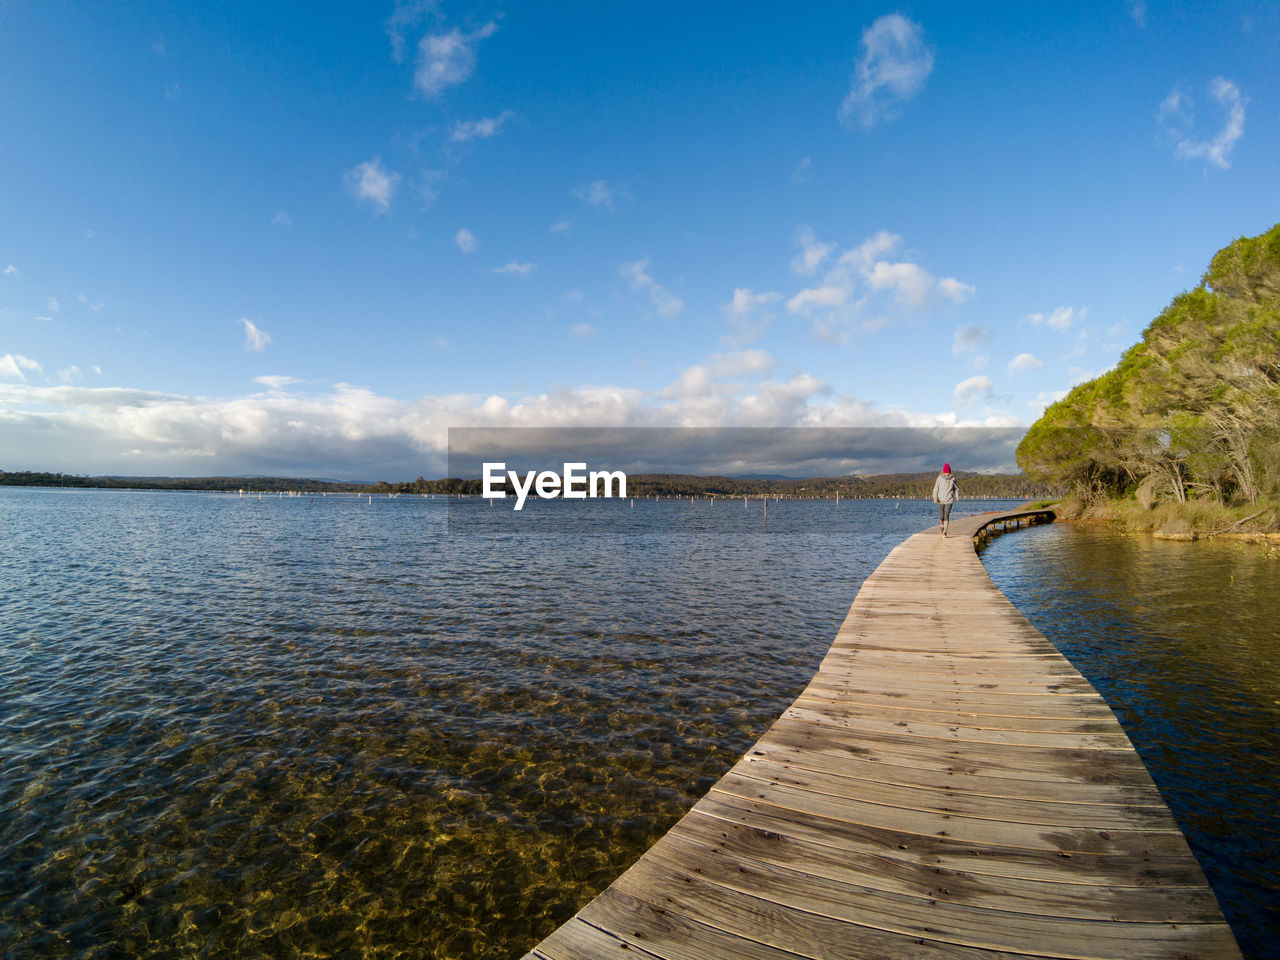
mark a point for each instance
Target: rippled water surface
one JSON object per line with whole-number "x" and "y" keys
{"x": 328, "y": 728}
{"x": 1183, "y": 639}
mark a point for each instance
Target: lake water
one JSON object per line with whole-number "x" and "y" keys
{"x": 1183, "y": 640}
{"x": 324, "y": 727}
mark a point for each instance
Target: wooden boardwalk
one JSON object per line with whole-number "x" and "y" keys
{"x": 948, "y": 785}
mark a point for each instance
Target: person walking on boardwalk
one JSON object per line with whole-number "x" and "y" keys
{"x": 945, "y": 494}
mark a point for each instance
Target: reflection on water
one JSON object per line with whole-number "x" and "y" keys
{"x": 326, "y": 728}
{"x": 1183, "y": 640}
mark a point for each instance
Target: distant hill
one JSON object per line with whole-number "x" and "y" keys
{"x": 28, "y": 478}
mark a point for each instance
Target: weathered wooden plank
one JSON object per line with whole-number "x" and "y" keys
{"x": 978, "y": 715}
{"x": 836, "y": 762}
{"x": 910, "y": 878}
{"x": 947, "y": 786}
{"x": 914, "y": 916}
{"x": 834, "y": 713}
{"x": 1051, "y": 706}
{"x": 810, "y": 914}
{"x": 964, "y": 829}
{"x": 691, "y": 929}
{"x": 989, "y": 760}
{"x": 857, "y": 840}
{"x": 914, "y": 795}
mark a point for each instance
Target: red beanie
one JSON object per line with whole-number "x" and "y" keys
{"x": 946, "y": 468}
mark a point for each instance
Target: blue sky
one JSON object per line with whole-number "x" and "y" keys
{"x": 307, "y": 239}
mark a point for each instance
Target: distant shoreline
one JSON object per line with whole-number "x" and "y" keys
{"x": 901, "y": 486}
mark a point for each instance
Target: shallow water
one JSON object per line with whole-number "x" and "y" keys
{"x": 323, "y": 727}
{"x": 328, "y": 728}
{"x": 1183, "y": 640}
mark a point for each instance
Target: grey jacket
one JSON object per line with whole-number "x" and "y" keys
{"x": 945, "y": 489}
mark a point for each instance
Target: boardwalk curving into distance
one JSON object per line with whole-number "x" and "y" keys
{"x": 948, "y": 785}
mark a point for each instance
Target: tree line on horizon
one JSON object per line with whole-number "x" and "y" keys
{"x": 34, "y": 478}
{"x": 888, "y": 486}
{"x": 1192, "y": 411}
{"x": 904, "y": 486}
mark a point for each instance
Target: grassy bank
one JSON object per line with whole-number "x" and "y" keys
{"x": 1177, "y": 521}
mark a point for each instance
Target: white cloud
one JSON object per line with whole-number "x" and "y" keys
{"x": 481, "y": 129}
{"x": 427, "y": 184}
{"x": 663, "y": 300}
{"x": 968, "y": 338}
{"x": 516, "y": 268}
{"x": 583, "y": 330}
{"x": 70, "y": 374}
{"x": 12, "y": 365}
{"x": 708, "y": 381}
{"x": 94, "y": 305}
{"x": 969, "y": 392}
{"x": 276, "y": 381}
{"x": 955, "y": 291}
{"x": 744, "y": 301}
{"x": 1176, "y": 115}
{"x": 447, "y": 59}
{"x": 351, "y": 432}
{"x": 1074, "y": 353}
{"x": 747, "y": 314}
{"x": 911, "y": 286}
{"x": 466, "y": 240}
{"x": 281, "y": 218}
{"x": 817, "y": 297}
{"x": 560, "y": 226}
{"x": 255, "y": 340}
{"x": 97, "y": 369}
{"x": 1045, "y": 398}
{"x": 10, "y": 271}
{"x": 1023, "y": 362}
{"x": 598, "y": 193}
{"x": 406, "y": 14}
{"x": 370, "y": 182}
{"x": 803, "y": 171}
{"x": 812, "y": 253}
{"x": 1138, "y": 11}
{"x": 894, "y": 66}
{"x": 52, "y": 305}
{"x": 1060, "y": 319}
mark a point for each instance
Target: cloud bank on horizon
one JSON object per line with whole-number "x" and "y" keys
{"x": 317, "y": 260}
